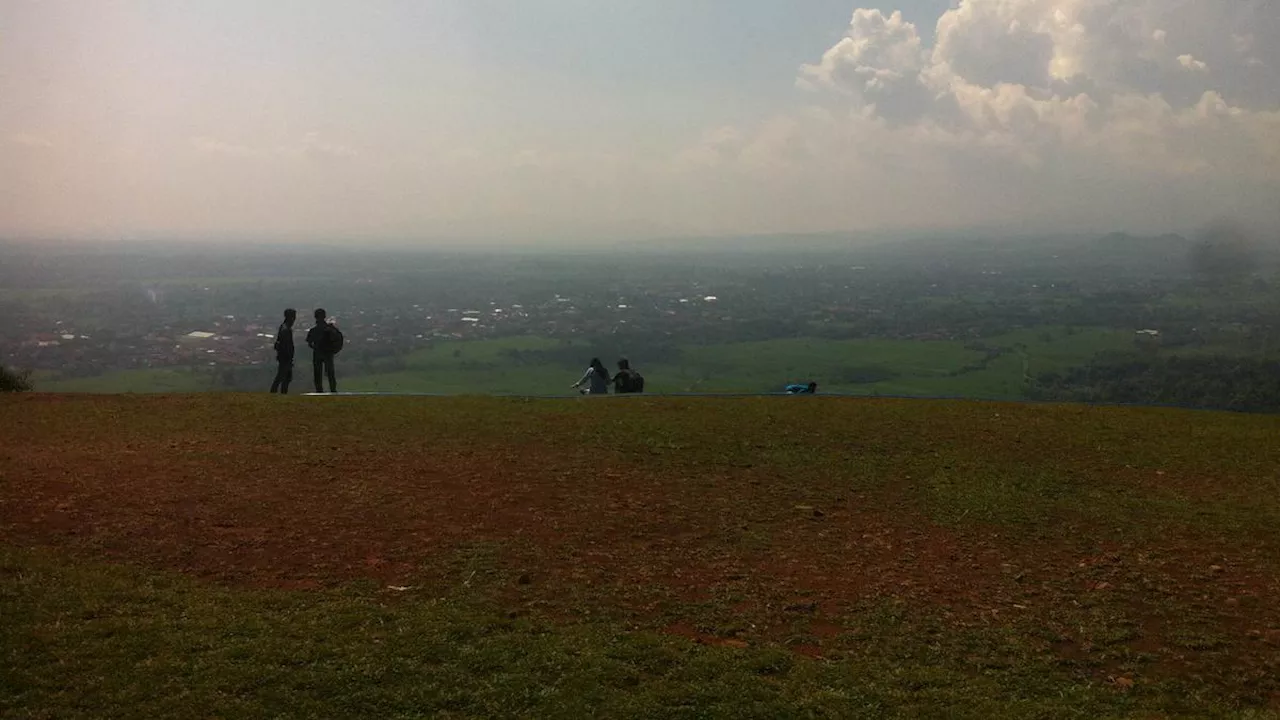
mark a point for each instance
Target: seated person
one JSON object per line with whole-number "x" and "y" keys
{"x": 627, "y": 380}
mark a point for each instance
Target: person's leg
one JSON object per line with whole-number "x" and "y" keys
{"x": 279, "y": 381}
{"x": 317, "y": 366}
{"x": 286, "y": 375}
{"x": 333, "y": 375}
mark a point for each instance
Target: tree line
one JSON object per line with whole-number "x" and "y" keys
{"x": 1222, "y": 382}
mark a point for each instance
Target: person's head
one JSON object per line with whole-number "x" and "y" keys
{"x": 624, "y": 364}
{"x": 321, "y": 315}
{"x": 289, "y": 316}
{"x": 598, "y": 366}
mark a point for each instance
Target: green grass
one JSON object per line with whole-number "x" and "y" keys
{"x": 767, "y": 366}
{"x": 920, "y": 368}
{"x": 485, "y": 366}
{"x": 475, "y": 367}
{"x": 944, "y": 559}
{"x": 1031, "y": 352}
{"x": 84, "y": 640}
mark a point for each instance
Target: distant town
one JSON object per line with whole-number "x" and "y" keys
{"x": 1115, "y": 318}
{"x": 73, "y": 348}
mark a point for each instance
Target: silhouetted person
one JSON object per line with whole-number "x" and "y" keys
{"x": 284, "y": 353}
{"x": 798, "y": 389}
{"x": 325, "y": 341}
{"x": 627, "y": 380}
{"x": 596, "y": 379}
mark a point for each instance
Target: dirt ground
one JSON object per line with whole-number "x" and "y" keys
{"x": 711, "y": 556}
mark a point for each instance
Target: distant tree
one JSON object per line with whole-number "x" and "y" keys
{"x": 14, "y": 381}
{"x": 1244, "y": 383}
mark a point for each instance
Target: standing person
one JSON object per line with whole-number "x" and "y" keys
{"x": 325, "y": 340}
{"x": 284, "y": 353}
{"x": 596, "y": 379}
{"x": 627, "y": 380}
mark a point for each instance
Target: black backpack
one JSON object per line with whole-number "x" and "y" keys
{"x": 333, "y": 339}
{"x": 632, "y": 382}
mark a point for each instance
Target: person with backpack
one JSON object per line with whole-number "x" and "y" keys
{"x": 325, "y": 340}
{"x": 284, "y": 353}
{"x": 596, "y": 379}
{"x": 627, "y": 380}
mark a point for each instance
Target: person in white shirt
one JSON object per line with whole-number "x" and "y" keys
{"x": 596, "y": 379}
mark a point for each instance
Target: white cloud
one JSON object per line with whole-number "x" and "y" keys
{"x": 1191, "y": 63}
{"x": 1070, "y": 111}
{"x": 877, "y": 64}
{"x": 1038, "y": 43}
{"x": 875, "y": 49}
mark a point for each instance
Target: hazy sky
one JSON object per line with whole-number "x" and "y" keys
{"x": 608, "y": 119}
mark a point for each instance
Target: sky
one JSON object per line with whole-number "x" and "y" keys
{"x": 526, "y": 121}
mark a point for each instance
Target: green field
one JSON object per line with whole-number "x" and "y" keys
{"x": 921, "y": 368}
{"x": 487, "y": 367}
{"x": 477, "y": 367}
{"x": 254, "y": 556}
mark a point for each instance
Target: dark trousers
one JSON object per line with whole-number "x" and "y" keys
{"x": 284, "y": 376}
{"x": 322, "y": 365}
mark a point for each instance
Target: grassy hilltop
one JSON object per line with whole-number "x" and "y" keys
{"x": 256, "y": 556}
